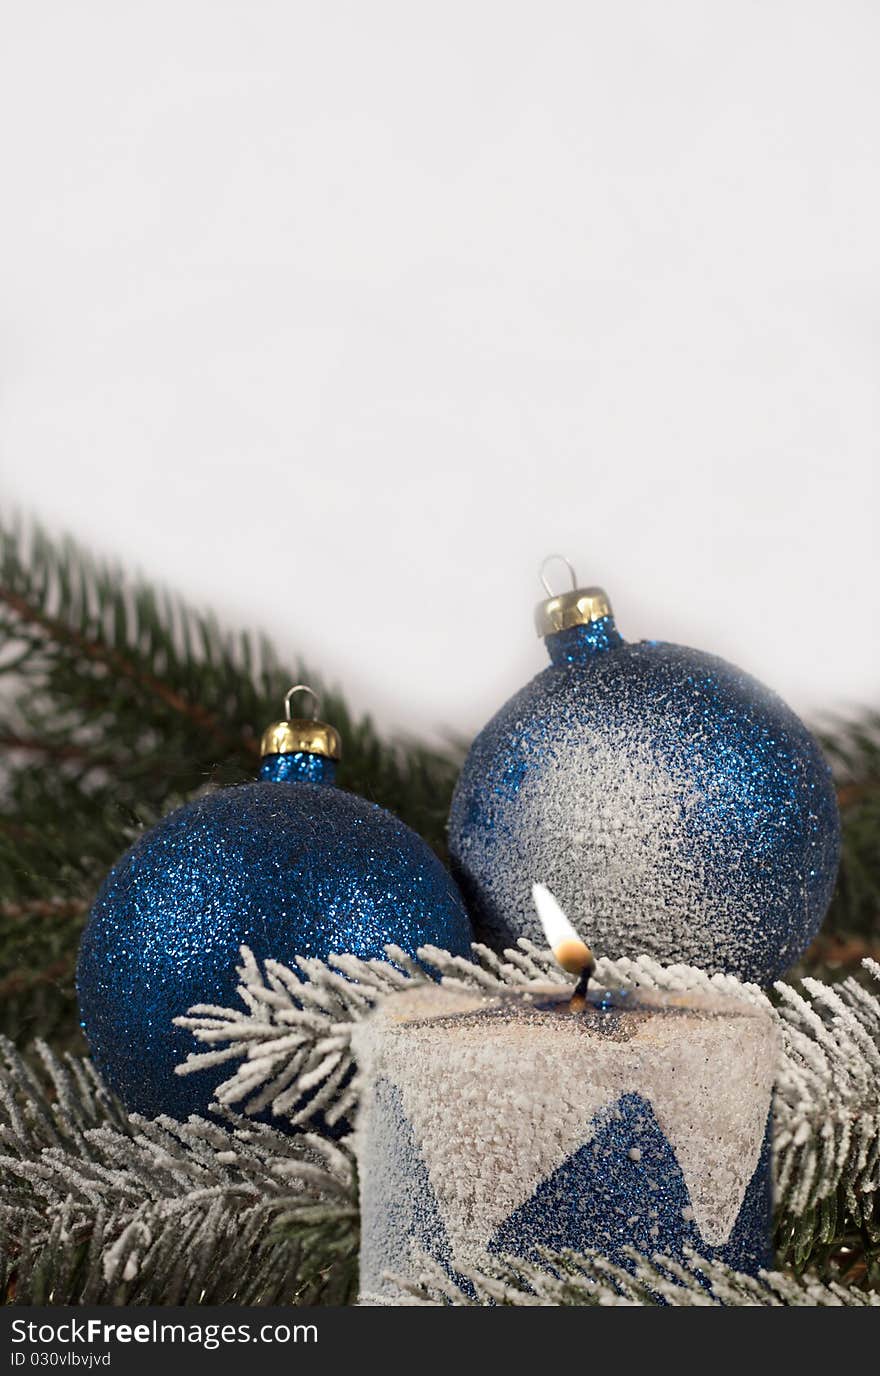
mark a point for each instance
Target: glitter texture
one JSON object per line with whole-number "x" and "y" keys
{"x": 293, "y": 868}
{"x": 504, "y": 1125}
{"x": 314, "y": 769}
{"x": 674, "y": 806}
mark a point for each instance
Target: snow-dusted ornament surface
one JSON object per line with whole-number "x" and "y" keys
{"x": 675, "y": 806}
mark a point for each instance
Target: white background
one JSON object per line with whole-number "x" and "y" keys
{"x": 339, "y": 317}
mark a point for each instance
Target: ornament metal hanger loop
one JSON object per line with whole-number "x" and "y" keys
{"x": 549, "y": 560}
{"x": 302, "y": 688}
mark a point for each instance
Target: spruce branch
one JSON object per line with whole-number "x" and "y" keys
{"x": 573, "y": 1278}
{"x": 87, "y": 645}
{"x": 94, "y": 1203}
{"x": 853, "y": 747}
{"x": 289, "y": 1046}
{"x": 101, "y": 1207}
{"x": 827, "y": 1115}
{"x": 118, "y": 703}
{"x": 127, "y": 686}
{"x": 289, "y": 1050}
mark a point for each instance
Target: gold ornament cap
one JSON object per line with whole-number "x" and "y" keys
{"x": 301, "y": 735}
{"x": 575, "y": 607}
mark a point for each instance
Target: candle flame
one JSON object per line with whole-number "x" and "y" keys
{"x": 569, "y": 949}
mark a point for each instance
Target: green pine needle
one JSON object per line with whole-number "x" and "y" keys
{"x": 118, "y": 702}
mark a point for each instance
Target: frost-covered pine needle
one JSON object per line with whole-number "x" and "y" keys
{"x": 573, "y": 1278}
{"x": 98, "y": 1206}
{"x": 289, "y": 1051}
{"x": 101, "y": 1207}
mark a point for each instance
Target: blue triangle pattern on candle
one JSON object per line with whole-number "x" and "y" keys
{"x": 624, "y": 1187}
{"x": 400, "y": 1185}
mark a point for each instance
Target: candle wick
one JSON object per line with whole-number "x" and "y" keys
{"x": 578, "y": 1001}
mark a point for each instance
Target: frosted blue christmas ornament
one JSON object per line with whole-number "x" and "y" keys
{"x": 290, "y": 866}
{"x": 675, "y": 806}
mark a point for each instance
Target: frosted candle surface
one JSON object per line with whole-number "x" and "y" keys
{"x": 486, "y": 1123}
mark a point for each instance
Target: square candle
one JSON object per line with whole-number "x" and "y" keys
{"x": 504, "y": 1124}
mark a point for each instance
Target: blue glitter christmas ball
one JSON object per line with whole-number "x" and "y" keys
{"x": 674, "y": 806}
{"x": 290, "y": 866}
